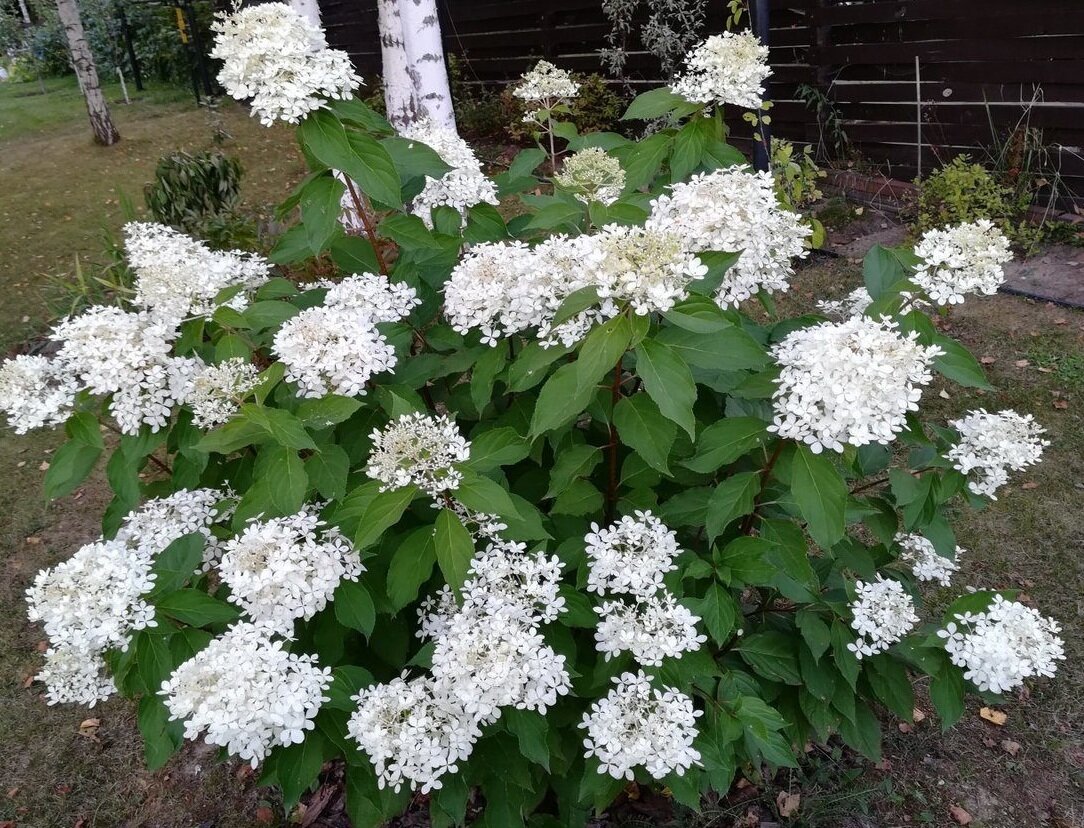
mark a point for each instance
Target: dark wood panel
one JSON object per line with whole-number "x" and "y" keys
{"x": 978, "y": 11}
{"x": 1062, "y": 47}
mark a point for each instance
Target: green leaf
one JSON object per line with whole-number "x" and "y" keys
{"x": 719, "y": 612}
{"x": 821, "y": 495}
{"x": 497, "y": 447}
{"x": 560, "y": 401}
{"x": 354, "y": 607}
{"x": 353, "y": 254}
{"x": 177, "y": 563}
{"x": 730, "y": 349}
{"x": 453, "y": 546}
{"x": 526, "y": 162}
{"x": 572, "y": 463}
{"x": 231, "y": 437}
{"x": 864, "y": 733}
{"x": 153, "y": 658}
{"x": 725, "y": 441}
{"x": 891, "y": 685}
{"x": 320, "y": 210}
{"x": 195, "y": 607}
{"x": 654, "y": 103}
{"x": 484, "y": 224}
{"x": 530, "y": 729}
{"x": 284, "y": 473}
{"x": 718, "y": 264}
{"x": 279, "y": 424}
{"x": 668, "y": 381}
{"x": 362, "y": 158}
{"x": 601, "y": 351}
{"x": 324, "y": 412}
{"x": 882, "y": 269}
{"x": 748, "y": 559}
{"x": 643, "y": 159}
{"x": 947, "y": 695}
{"x": 346, "y": 681}
{"x": 69, "y": 466}
{"x": 483, "y": 375}
{"x": 410, "y": 567}
{"x": 409, "y": 232}
{"x": 83, "y": 427}
{"x": 772, "y": 655}
{"x": 814, "y": 631}
{"x": 298, "y": 766}
{"x": 730, "y": 500}
{"x": 561, "y": 213}
{"x": 381, "y": 513}
{"x": 958, "y": 364}
{"x": 161, "y": 737}
{"x": 578, "y": 498}
{"x": 327, "y": 470}
{"x": 690, "y": 144}
{"x": 529, "y": 367}
{"x": 413, "y": 159}
{"x": 576, "y": 302}
{"x": 643, "y": 428}
{"x": 482, "y": 494}
{"x": 698, "y": 314}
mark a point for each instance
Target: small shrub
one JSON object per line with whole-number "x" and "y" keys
{"x": 200, "y": 195}
{"x": 796, "y": 174}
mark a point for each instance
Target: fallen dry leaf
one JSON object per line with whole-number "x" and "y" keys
{"x": 7, "y": 823}
{"x": 943, "y": 394}
{"x": 33, "y": 540}
{"x": 918, "y": 715}
{"x": 988, "y": 360}
{"x": 1010, "y": 747}
{"x": 986, "y": 740}
{"x": 1061, "y": 404}
{"x": 884, "y": 764}
{"x": 264, "y": 815}
{"x": 1022, "y": 363}
{"x": 960, "y": 815}
{"x": 904, "y": 727}
{"x": 62, "y": 789}
{"x": 1061, "y": 321}
{"x": 12, "y": 793}
{"x": 993, "y": 716}
{"x": 44, "y": 466}
{"x": 88, "y": 727}
{"x": 788, "y": 803}
{"x": 1031, "y": 484}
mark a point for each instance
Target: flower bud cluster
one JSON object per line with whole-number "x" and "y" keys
{"x": 924, "y": 560}
{"x": 420, "y": 450}
{"x": 592, "y": 175}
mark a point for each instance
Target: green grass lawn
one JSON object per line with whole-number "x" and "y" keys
{"x": 61, "y": 191}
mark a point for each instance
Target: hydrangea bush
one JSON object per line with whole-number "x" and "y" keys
{"x": 531, "y": 506}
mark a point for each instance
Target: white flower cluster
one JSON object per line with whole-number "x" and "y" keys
{"x": 335, "y": 348}
{"x": 592, "y": 175}
{"x": 848, "y": 383}
{"x": 734, "y": 211}
{"x": 88, "y": 604}
{"x": 883, "y": 614}
{"x": 127, "y": 355}
{"x": 924, "y": 560}
{"x": 725, "y": 69}
{"x": 178, "y": 276}
{"x": 94, "y": 601}
{"x": 646, "y": 267}
{"x": 853, "y": 304}
{"x": 1004, "y": 645}
{"x": 630, "y": 558}
{"x": 246, "y": 693}
{"x": 488, "y": 654}
{"x": 965, "y": 258}
{"x": 545, "y": 86}
{"x": 162, "y": 520}
{"x": 636, "y": 724}
{"x": 421, "y": 450}
{"x": 992, "y": 445}
{"x": 287, "y": 568}
{"x": 272, "y": 55}
{"x": 35, "y": 392}
{"x": 215, "y": 392}
{"x": 501, "y": 289}
{"x": 463, "y": 186}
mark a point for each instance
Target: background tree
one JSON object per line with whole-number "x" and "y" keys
{"x": 83, "y": 61}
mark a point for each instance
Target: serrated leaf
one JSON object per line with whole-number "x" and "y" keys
{"x": 725, "y": 441}
{"x": 821, "y": 495}
{"x": 735, "y": 497}
{"x": 668, "y": 381}
{"x": 641, "y": 426}
{"x": 353, "y": 607}
{"x": 453, "y": 546}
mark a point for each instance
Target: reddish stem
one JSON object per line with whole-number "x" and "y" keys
{"x": 747, "y": 525}
{"x": 611, "y": 489}
{"x": 361, "y": 204}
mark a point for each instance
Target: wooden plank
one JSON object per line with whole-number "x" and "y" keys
{"x": 985, "y": 49}
{"x": 1023, "y": 23}
{"x": 975, "y": 10}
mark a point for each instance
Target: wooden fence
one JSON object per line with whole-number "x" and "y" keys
{"x": 982, "y": 65}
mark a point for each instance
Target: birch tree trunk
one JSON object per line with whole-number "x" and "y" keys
{"x": 425, "y": 60}
{"x": 400, "y": 98}
{"x": 309, "y": 9}
{"x": 83, "y": 61}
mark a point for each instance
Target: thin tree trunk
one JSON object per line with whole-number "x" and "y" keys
{"x": 425, "y": 58}
{"x": 83, "y": 61}
{"x": 400, "y": 98}
{"x": 309, "y": 9}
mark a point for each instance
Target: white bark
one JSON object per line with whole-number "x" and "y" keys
{"x": 400, "y": 98}
{"x": 24, "y": 11}
{"x": 425, "y": 59}
{"x": 309, "y": 9}
{"x": 83, "y": 61}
